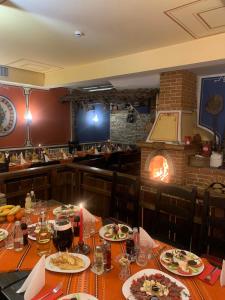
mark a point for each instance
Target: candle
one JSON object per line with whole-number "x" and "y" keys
{"x": 81, "y": 224}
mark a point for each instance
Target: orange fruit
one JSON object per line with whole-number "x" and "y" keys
{"x": 10, "y": 218}
{"x": 19, "y": 214}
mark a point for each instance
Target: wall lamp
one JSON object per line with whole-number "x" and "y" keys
{"x": 28, "y": 116}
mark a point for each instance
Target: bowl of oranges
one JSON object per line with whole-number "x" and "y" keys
{"x": 10, "y": 213}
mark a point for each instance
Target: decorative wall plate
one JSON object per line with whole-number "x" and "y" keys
{"x": 7, "y": 116}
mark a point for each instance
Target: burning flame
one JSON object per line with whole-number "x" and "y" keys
{"x": 159, "y": 169}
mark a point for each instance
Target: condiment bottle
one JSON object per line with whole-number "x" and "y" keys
{"x": 136, "y": 238}
{"x": 43, "y": 237}
{"x": 108, "y": 256}
{"x": 76, "y": 227}
{"x": 28, "y": 203}
{"x": 18, "y": 237}
{"x": 23, "y": 226}
{"x": 130, "y": 251}
{"x": 33, "y": 198}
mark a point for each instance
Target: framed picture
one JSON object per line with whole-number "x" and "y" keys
{"x": 7, "y": 116}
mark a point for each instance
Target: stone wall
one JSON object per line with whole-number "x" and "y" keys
{"x": 129, "y": 133}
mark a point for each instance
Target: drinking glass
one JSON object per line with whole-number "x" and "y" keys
{"x": 92, "y": 227}
{"x": 124, "y": 263}
{"x": 9, "y": 241}
{"x": 98, "y": 266}
{"x": 87, "y": 229}
{"x": 142, "y": 254}
{"x": 63, "y": 233}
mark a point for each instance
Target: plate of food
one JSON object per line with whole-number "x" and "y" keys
{"x": 181, "y": 262}
{"x": 66, "y": 208}
{"x": 114, "y": 232}
{"x": 150, "y": 283}
{"x": 78, "y": 296}
{"x": 3, "y": 234}
{"x": 33, "y": 229}
{"x": 65, "y": 262}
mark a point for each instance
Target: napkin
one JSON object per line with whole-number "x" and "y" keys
{"x": 207, "y": 270}
{"x": 22, "y": 160}
{"x": 222, "y": 274}
{"x": 108, "y": 150}
{"x": 35, "y": 281}
{"x": 144, "y": 236}
{"x": 96, "y": 151}
{"x": 49, "y": 297}
{"x": 119, "y": 149}
{"x": 64, "y": 155}
{"x": 46, "y": 158}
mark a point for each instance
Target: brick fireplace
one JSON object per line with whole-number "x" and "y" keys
{"x": 177, "y": 97}
{"x": 164, "y": 156}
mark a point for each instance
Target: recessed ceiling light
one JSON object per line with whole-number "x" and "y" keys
{"x": 78, "y": 33}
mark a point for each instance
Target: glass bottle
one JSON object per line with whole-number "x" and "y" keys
{"x": 43, "y": 237}
{"x": 76, "y": 227}
{"x": 28, "y": 203}
{"x": 33, "y": 199}
{"x": 107, "y": 255}
{"x": 18, "y": 237}
{"x": 23, "y": 226}
{"x": 136, "y": 238}
{"x": 130, "y": 250}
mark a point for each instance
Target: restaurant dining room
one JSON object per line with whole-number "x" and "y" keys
{"x": 112, "y": 150}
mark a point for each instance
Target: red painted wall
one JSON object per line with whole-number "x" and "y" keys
{"x": 51, "y": 118}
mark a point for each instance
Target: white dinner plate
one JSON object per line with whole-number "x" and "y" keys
{"x": 67, "y": 209}
{"x": 53, "y": 268}
{"x": 177, "y": 270}
{"x": 104, "y": 229}
{"x": 184, "y": 295}
{"x": 33, "y": 238}
{"x": 3, "y": 234}
{"x": 80, "y": 296}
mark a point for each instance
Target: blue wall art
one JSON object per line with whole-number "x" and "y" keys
{"x": 212, "y": 104}
{"x": 93, "y": 125}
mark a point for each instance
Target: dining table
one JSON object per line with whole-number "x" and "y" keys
{"x": 107, "y": 286}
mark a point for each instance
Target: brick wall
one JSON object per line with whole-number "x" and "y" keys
{"x": 203, "y": 177}
{"x": 177, "y": 91}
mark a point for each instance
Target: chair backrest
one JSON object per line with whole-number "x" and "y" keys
{"x": 213, "y": 225}
{"x": 125, "y": 198}
{"x": 175, "y": 208}
{"x": 4, "y": 167}
{"x": 43, "y": 164}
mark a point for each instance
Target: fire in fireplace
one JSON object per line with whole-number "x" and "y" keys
{"x": 159, "y": 168}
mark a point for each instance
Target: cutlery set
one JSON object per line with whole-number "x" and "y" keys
{"x": 52, "y": 291}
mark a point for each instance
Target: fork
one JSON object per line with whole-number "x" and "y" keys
{"x": 209, "y": 276}
{"x": 53, "y": 291}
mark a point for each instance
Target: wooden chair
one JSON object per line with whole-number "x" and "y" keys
{"x": 125, "y": 199}
{"x": 174, "y": 214}
{"x": 213, "y": 225}
{"x": 94, "y": 187}
{"x": 4, "y": 167}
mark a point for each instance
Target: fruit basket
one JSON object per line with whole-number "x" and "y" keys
{"x": 10, "y": 213}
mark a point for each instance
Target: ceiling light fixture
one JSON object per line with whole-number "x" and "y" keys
{"x": 78, "y": 33}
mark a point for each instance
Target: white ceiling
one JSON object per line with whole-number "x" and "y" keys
{"x": 38, "y": 34}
